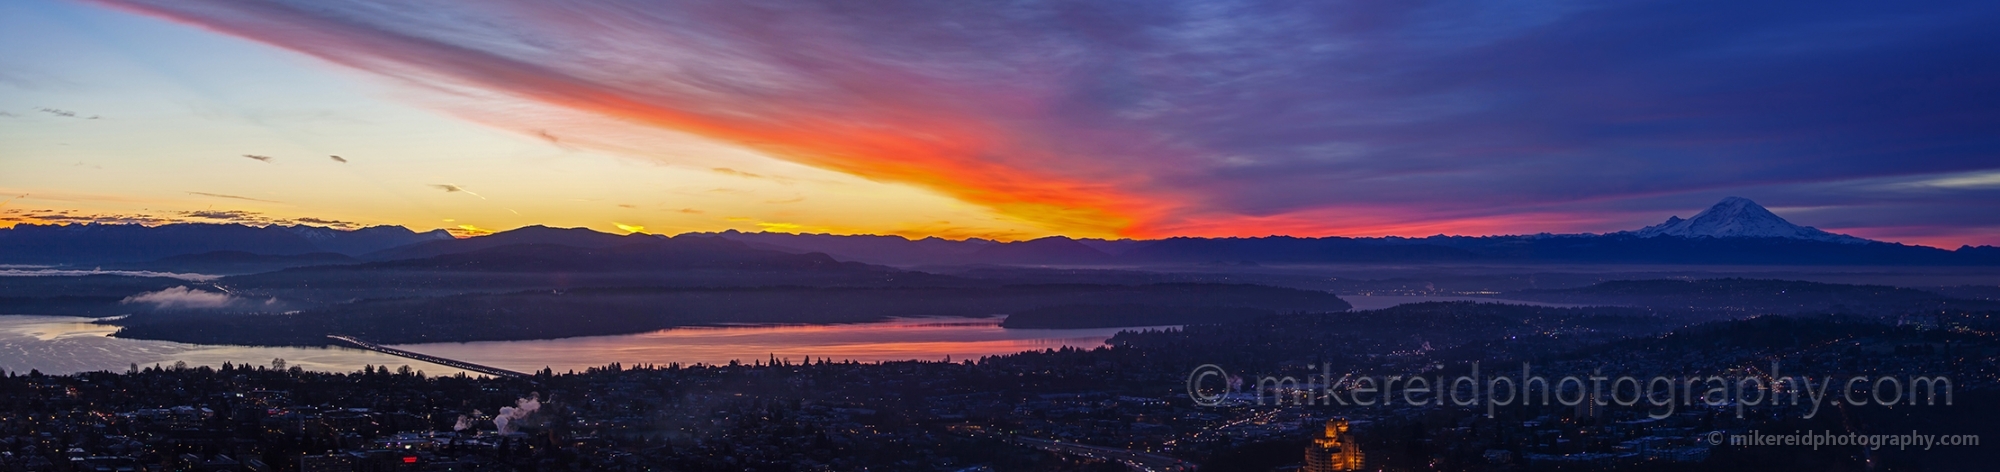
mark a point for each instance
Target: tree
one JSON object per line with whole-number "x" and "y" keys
{"x": 278, "y": 364}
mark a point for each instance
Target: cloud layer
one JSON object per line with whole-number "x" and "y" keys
{"x": 1153, "y": 118}
{"x": 182, "y": 298}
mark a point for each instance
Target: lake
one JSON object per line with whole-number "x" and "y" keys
{"x": 63, "y": 345}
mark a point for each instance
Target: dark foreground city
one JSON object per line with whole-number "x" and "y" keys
{"x": 1126, "y": 406}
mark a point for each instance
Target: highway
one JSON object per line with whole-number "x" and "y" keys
{"x": 1135, "y": 460}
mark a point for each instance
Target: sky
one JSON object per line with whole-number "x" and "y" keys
{"x": 1006, "y": 120}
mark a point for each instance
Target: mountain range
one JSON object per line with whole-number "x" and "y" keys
{"x": 292, "y": 285}
{"x": 1733, "y": 231}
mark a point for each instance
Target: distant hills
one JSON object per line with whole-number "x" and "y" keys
{"x": 570, "y": 237}
{"x": 1616, "y": 248}
{"x": 1735, "y": 231}
{"x": 639, "y": 255}
{"x": 236, "y": 262}
{"x": 224, "y": 283}
{"x": 1756, "y": 296}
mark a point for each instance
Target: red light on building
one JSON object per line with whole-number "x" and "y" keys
{"x": 409, "y": 459}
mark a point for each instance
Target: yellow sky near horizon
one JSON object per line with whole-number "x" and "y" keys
{"x": 111, "y": 130}
{"x": 155, "y": 112}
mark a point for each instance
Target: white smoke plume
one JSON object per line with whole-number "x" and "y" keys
{"x": 521, "y": 409}
{"x": 181, "y": 298}
{"x": 464, "y": 422}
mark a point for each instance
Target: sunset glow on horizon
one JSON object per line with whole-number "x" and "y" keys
{"x": 978, "y": 120}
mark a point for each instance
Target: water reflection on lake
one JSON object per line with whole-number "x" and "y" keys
{"x": 925, "y": 339}
{"x": 62, "y": 345}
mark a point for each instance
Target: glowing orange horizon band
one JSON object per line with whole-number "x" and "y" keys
{"x": 940, "y": 153}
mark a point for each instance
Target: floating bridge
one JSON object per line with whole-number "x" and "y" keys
{"x": 453, "y": 363}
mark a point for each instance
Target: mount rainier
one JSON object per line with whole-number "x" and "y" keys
{"x": 1737, "y": 217}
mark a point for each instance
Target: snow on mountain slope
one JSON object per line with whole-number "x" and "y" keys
{"x": 1736, "y": 217}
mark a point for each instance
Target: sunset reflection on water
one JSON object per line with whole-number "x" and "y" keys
{"x": 903, "y": 339}
{"x": 64, "y": 345}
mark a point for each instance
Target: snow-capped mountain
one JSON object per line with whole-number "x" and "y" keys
{"x": 1737, "y": 217}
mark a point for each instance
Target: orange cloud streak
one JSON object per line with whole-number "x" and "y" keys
{"x": 946, "y": 160}
{"x": 906, "y": 132}
{"x": 911, "y": 141}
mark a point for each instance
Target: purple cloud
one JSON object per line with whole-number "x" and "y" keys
{"x": 1223, "y": 118}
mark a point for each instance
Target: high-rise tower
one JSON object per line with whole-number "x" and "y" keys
{"x": 1333, "y": 450}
